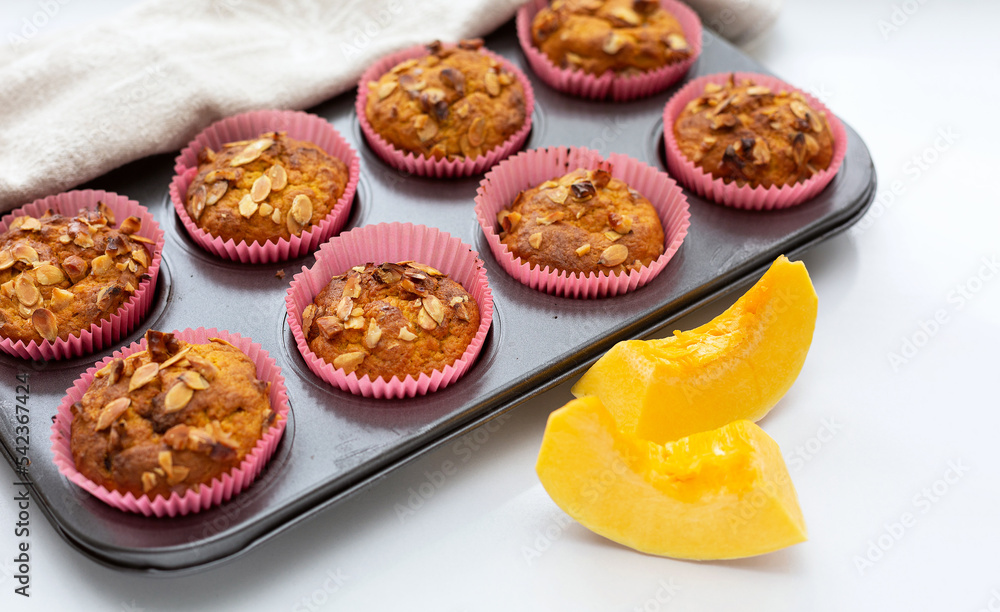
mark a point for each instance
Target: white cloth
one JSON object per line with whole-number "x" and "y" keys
{"x": 79, "y": 103}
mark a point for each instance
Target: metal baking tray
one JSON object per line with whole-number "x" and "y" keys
{"x": 337, "y": 443}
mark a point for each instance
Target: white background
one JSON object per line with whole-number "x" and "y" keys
{"x": 898, "y": 428}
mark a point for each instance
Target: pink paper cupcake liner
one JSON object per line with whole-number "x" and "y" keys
{"x": 439, "y": 168}
{"x": 222, "y": 488}
{"x": 530, "y": 168}
{"x": 298, "y": 125}
{"x": 731, "y": 194}
{"x": 391, "y": 242}
{"x": 106, "y": 331}
{"x": 619, "y": 88}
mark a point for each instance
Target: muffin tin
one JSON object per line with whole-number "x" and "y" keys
{"x": 335, "y": 442}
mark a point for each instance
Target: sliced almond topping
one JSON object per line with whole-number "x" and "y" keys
{"x": 251, "y": 152}
{"x": 261, "y": 188}
{"x": 130, "y": 225}
{"x": 799, "y": 109}
{"x": 558, "y": 195}
{"x": 265, "y": 210}
{"x": 535, "y": 240}
{"x": 676, "y": 42}
{"x": 508, "y": 219}
{"x": 492, "y": 83}
{"x": 141, "y": 257}
{"x": 178, "y": 397}
{"x": 385, "y": 89}
{"x": 427, "y": 129}
{"x": 614, "y": 43}
{"x": 198, "y": 202}
{"x": 247, "y": 206}
{"x": 358, "y": 311}
{"x": 355, "y": 323}
{"x": 349, "y": 361}
{"x": 373, "y": 335}
{"x": 83, "y": 240}
{"x": 352, "y": 288}
{"x": 425, "y": 320}
{"x": 477, "y": 131}
{"x": 276, "y": 216}
{"x": 422, "y": 267}
{"x": 761, "y": 153}
{"x": 180, "y": 473}
{"x": 344, "y": 307}
{"x": 406, "y": 335}
{"x": 612, "y": 235}
{"x": 435, "y": 308}
{"x": 583, "y": 250}
{"x": 101, "y": 264}
{"x": 148, "y": 481}
{"x": 302, "y": 209}
{"x": 758, "y": 90}
{"x": 614, "y": 255}
{"x": 550, "y": 218}
{"x": 6, "y": 259}
{"x": 142, "y": 375}
{"x": 215, "y": 193}
{"x": 45, "y": 324}
{"x": 47, "y": 274}
{"x": 329, "y": 326}
{"x": 177, "y": 357}
{"x": 31, "y": 224}
{"x": 111, "y": 411}
{"x": 278, "y": 176}
{"x": 308, "y": 314}
{"x": 166, "y": 461}
{"x": 620, "y": 223}
{"x": 194, "y": 380}
{"x": 24, "y": 253}
{"x": 626, "y": 14}
{"x": 60, "y": 299}
{"x": 26, "y": 291}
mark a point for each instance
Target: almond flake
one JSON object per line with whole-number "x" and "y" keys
{"x": 143, "y": 375}
{"x": 177, "y": 397}
{"x": 614, "y": 255}
{"x": 349, "y": 361}
{"x": 373, "y": 335}
{"x": 535, "y": 240}
{"x": 251, "y": 152}
{"x": 278, "y": 176}
{"x": 261, "y": 188}
{"x": 583, "y": 250}
{"x": 247, "y": 206}
{"x": 406, "y": 335}
{"x": 111, "y": 411}
{"x": 45, "y": 324}
{"x": 215, "y": 193}
{"x": 194, "y": 380}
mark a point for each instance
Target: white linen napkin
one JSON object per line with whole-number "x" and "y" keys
{"x": 79, "y": 103}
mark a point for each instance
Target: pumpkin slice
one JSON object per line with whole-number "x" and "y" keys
{"x": 736, "y": 366}
{"x": 721, "y": 494}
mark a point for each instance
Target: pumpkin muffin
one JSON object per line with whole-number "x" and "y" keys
{"x": 584, "y": 222}
{"x": 753, "y": 135}
{"x": 391, "y": 319}
{"x": 169, "y": 418}
{"x": 454, "y": 103}
{"x": 597, "y": 36}
{"x": 264, "y": 190}
{"x": 59, "y": 275}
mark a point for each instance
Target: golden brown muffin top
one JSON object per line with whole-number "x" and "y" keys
{"x": 170, "y": 417}
{"x": 625, "y": 36}
{"x": 453, "y": 103}
{"x": 59, "y": 275}
{"x": 265, "y": 189}
{"x": 391, "y": 319}
{"x": 753, "y": 135}
{"x": 585, "y": 222}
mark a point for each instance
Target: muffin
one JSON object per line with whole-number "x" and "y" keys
{"x": 621, "y": 36}
{"x": 584, "y": 222}
{"x": 391, "y": 319}
{"x": 60, "y": 275}
{"x": 452, "y": 104}
{"x": 169, "y": 418}
{"x": 754, "y": 135}
{"x": 264, "y": 190}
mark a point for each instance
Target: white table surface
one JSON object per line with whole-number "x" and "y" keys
{"x": 893, "y": 433}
